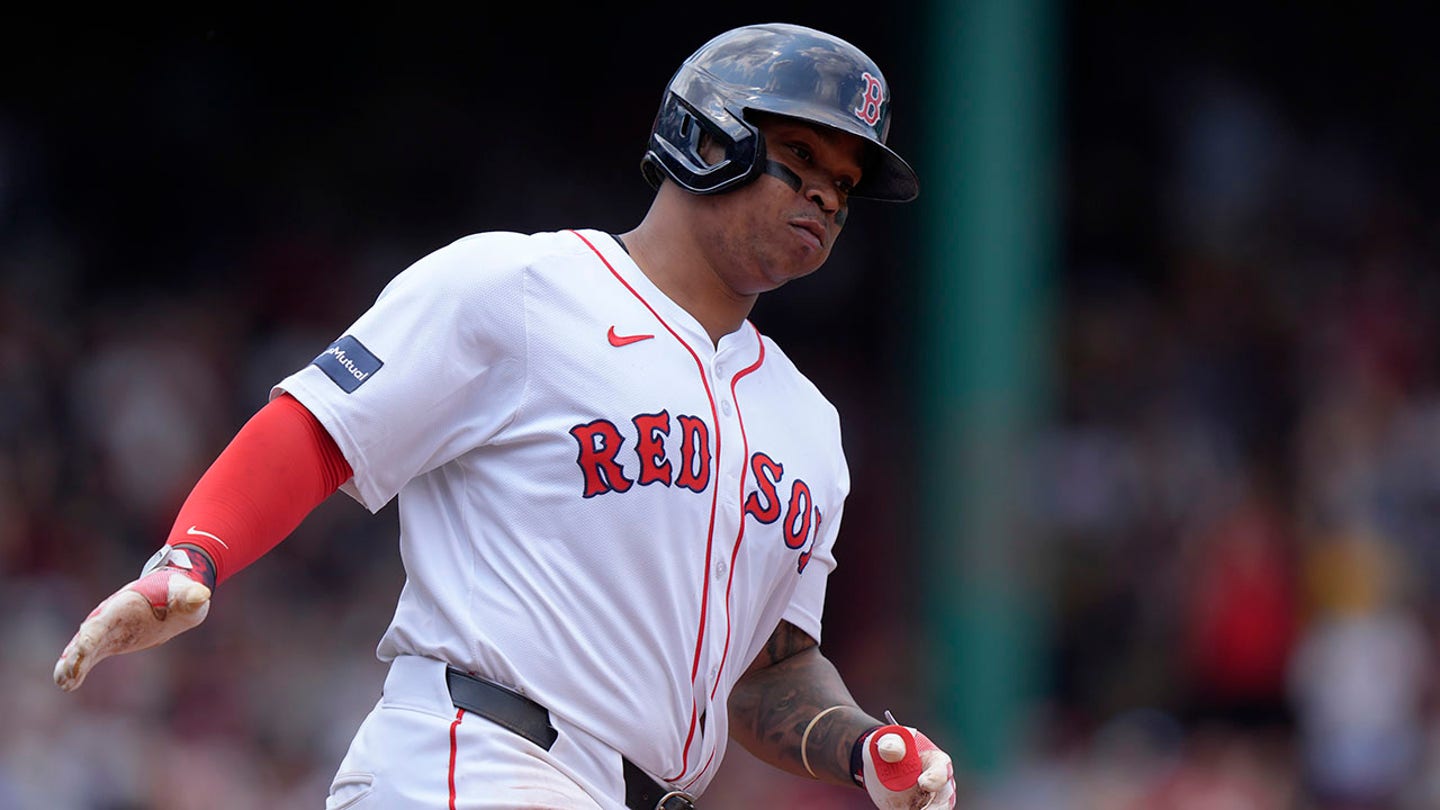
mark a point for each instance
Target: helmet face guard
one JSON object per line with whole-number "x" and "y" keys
{"x": 786, "y": 70}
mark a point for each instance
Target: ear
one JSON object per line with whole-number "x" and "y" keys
{"x": 710, "y": 151}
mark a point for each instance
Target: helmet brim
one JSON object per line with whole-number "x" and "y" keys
{"x": 888, "y": 177}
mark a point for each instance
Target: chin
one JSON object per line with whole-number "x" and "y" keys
{"x": 775, "y": 274}
{"x": 814, "y": 264}
{"x": 794, "y": 276}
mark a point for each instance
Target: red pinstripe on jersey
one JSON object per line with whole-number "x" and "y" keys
{"x": 714, "y": 503}
{"x": 701, "y": 772}
{"x": 454, "y": 747}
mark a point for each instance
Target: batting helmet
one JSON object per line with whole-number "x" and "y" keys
{"x": 777, "y": 68}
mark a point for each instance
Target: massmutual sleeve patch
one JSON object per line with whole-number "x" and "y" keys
{"x": 348, "y": 363}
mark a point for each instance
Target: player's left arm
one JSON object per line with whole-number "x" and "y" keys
{"x": 792, "y": 709}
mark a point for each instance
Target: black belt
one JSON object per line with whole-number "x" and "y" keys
{"x": 520, "y": 714}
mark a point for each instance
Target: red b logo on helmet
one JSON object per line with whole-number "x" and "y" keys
{"x": 869, "y": 109}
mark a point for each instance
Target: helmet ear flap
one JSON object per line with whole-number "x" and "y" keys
{"x": 676, "y": 141}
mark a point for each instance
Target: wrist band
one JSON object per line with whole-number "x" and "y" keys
{"x": 191, "y": 559}
{"x": 804, "y": 738}
{"x": 857, "y": 756}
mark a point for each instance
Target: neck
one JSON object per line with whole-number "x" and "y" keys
{"x": 666, "y": 249}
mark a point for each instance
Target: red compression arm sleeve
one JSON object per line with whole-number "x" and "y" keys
{"x": 278, "y": 468}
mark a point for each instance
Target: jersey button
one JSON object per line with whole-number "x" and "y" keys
{"x": 719, "y": 569}
{"x": 725, "y": 407}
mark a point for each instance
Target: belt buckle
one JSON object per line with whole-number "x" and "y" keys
{"x": 676, "y": 800}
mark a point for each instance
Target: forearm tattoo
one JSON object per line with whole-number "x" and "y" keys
{"x": 790, "y": 683}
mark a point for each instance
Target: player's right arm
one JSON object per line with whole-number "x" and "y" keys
{"x": 792, "y": 709}
{"x": 277, "y": 469}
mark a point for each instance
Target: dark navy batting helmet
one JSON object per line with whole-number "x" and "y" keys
{"x": 777, "y": 68}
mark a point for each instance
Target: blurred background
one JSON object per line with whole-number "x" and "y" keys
{"x": 1140, "y": 396}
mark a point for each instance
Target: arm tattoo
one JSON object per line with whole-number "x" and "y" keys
{"x": 787, "y": 640}
{"x": 789, "y": 683}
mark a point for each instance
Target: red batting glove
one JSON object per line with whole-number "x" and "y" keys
{"x": 171, "y": 596}
{"x": 904, "y": 770}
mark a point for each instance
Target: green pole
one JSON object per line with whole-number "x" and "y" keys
{"x": 989, "y": 221}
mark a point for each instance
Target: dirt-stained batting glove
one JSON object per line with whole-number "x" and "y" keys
{"x": 171, "y": 596}
{"x": 902, "y": 769}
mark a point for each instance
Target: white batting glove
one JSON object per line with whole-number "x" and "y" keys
{"x": 171, "y": 596}
{"x": 904, "y": 770}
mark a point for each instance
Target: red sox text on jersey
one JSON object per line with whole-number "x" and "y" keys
{"x": 599, "y": 457}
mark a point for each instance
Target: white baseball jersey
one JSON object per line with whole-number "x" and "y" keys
{"x": 597, "y": 505}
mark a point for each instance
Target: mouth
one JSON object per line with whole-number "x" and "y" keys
{"x": 811, "y": 231}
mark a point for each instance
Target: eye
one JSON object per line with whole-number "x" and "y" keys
{"x": 845, "y": 186}
{"x": 801, "y": 151}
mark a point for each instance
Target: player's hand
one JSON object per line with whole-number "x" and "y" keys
{"x": 904, "y": 770}
{"x": 170, "y": 597}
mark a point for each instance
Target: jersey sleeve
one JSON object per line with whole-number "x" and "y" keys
{"x": 807, "y": 604}
{"x": 434, "y": 368}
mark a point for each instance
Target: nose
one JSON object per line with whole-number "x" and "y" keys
{"x": 820, "y": 190}
{"x": 828, "y": 198}
{"x": 824, "y": 195}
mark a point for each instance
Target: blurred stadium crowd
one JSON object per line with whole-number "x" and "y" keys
{"x": 1240, "y": 485}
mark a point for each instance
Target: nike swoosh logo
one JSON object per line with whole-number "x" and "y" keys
{"x": 625, "y": 340}
{"x": 194, "y": 532}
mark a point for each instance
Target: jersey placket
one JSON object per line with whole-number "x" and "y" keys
{"x": 726, "y": 520}
{"x": 724, "y": 369}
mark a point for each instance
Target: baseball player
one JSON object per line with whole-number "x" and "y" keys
{"x": 618, "y": 500}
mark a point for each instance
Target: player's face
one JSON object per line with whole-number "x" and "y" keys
{"x": 770, "y": 232}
